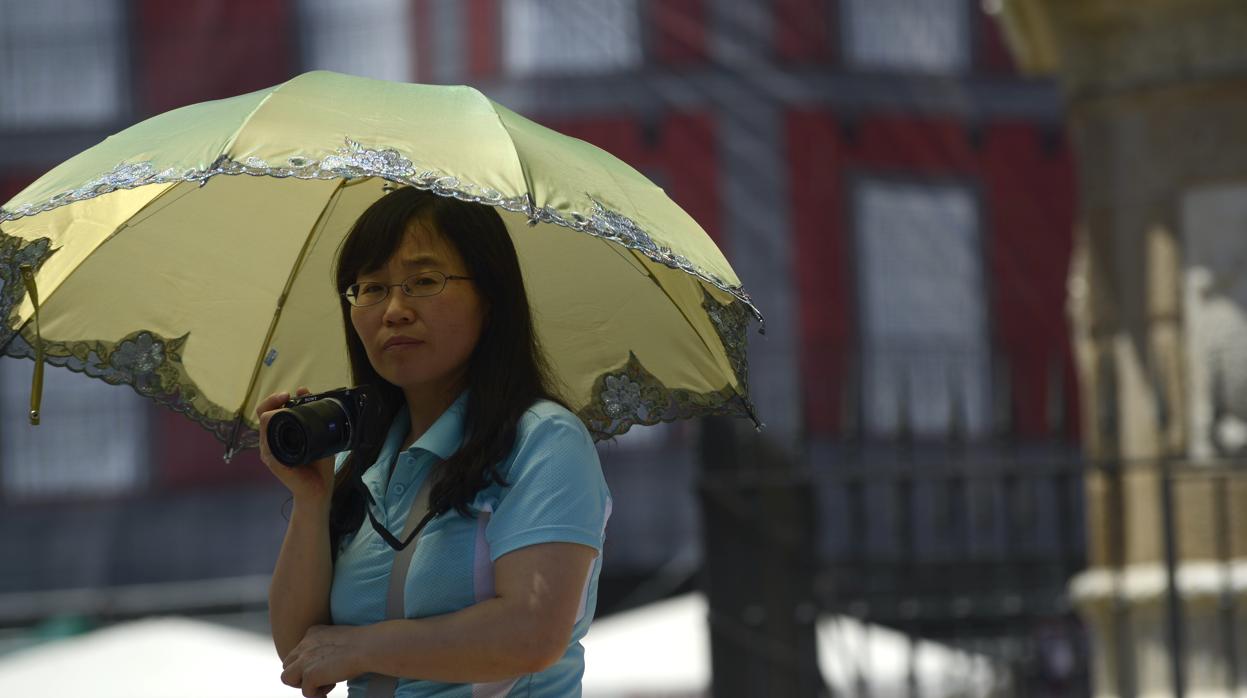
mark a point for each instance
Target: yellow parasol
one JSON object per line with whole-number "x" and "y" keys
{"x": 190, "y": 255}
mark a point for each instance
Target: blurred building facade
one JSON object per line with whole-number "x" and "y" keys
{"x": 897, "y": 198}
{"x": 1157, "y": 102}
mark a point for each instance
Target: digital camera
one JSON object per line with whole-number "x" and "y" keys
{"x": 311, "y": 427}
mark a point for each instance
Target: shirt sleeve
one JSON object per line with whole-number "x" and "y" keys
{"x": 555, "y": 490}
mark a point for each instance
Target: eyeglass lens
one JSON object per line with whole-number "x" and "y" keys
{"x": 429, "y": 283}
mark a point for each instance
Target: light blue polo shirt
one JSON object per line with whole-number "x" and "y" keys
{"x": 555, "y": 492}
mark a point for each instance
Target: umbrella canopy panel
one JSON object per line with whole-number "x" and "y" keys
{"x": 191, "y": 256}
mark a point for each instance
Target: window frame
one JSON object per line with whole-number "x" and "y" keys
{"x": 307, "y": 28}
{"x": 119, "y": 112}
{"x": 856, "y": 182}
{"x": 59, "y": 486}
{"x": 638, "y": 50}
{"x": 845, "y": 37}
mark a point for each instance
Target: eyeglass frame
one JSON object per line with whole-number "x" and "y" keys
{"x": 401, "y": 285}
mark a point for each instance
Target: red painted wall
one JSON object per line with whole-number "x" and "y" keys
{"x": 12, "y": 182}
{"x": 422, "y": 50}
{"x": 993, "y": 54}
{"x": 804, "y": 31}
{"x": 679, "y": 32}
{"x": 186, "y": 455}
{"x": 679, "y": 150}
{"x": 823, "y": 281}
{"x": 1028, "y": 204}
{"x": 484, "y": 38}
{"x": 195, "y": 50}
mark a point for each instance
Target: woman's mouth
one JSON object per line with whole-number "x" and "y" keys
{"x": 400, "y": 342}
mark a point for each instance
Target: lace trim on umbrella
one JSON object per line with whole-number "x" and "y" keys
{"x": 150, "y": 364}
{"x": 730, "y": 321}
{"x": 633, "y": 396}
{"x": 355, "y": 160}
{"x": 14, "y": 252}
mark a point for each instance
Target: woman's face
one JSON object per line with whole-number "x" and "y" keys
{"x": 422, "y": 344}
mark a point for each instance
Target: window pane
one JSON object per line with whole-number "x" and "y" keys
{"x": 61, "y": 62}
{"x": 1214, "y": 313}
{"x": 907, "y": 35}
{"x": 369, "y": 38}
{"x": 92, "y": 439}
{"x": 922, "y": 308}
{"x": 571, "y": 36}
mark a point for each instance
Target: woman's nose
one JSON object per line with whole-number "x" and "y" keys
{"x": 398, "y": 307}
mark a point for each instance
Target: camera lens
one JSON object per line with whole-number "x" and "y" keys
{"x": 288, "y": 440}
{"x": 299, "y": 435}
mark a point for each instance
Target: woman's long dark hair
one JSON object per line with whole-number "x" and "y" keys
{"x": 506, "y": 373}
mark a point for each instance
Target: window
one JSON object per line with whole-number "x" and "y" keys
{"x": 929, "y": 36}
{"x": 1214, "y": 311}
{"x": 92, "y": 439}
{"x": 369, "y": 38}
{"x": 571, "y": 36}
{"x": 61, "y": 63}
{"x": 922, "y": 309}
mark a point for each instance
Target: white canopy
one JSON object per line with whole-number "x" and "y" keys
{"x": 662, "y": 649}
{"x": 151, "y": 658}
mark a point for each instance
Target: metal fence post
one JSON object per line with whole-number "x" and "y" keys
{"x": 758, "y": 571}
{"x": 1227, "y": 607}
{"x": 1173, "y": 595}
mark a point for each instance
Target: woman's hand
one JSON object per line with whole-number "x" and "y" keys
{"x": 327, "y": 655}
{"x": 310, "y": 483}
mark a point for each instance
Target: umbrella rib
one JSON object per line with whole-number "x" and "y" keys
{"x": 317, "y": 228}
{"x": 519, "y": 161}
{"x": 679, "y": 307}
{"x": 229, "y": 145}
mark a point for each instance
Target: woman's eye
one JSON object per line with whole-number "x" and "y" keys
{"x": 369, "y": 289}
{"x": 423, "y": 281}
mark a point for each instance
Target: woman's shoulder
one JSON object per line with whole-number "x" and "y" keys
{"x": 553, "y": 436}
{"x": 546, "y": 419}
{"x": 549, "y": 412}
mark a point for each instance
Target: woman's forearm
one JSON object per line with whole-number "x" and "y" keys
{"x": 490, "y": 641}
{"x": 524, "y": 629}
{"x": 298, "y": 595}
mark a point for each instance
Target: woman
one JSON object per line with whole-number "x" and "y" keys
{"x": 502, "y": 581}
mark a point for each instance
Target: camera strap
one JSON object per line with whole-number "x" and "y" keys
{"x": 421, "y": 497}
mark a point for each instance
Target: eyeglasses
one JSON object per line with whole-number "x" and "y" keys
{"x": 426, "y": 283}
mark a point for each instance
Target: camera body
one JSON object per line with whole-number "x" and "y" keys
{"x": 310, "y": 427}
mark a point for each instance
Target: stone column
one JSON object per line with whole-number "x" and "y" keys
{"x": 1156, "y": 93}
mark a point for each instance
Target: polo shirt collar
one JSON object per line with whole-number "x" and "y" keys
{"x": 441, "y": 439}
{"x": 446, "y": 435}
